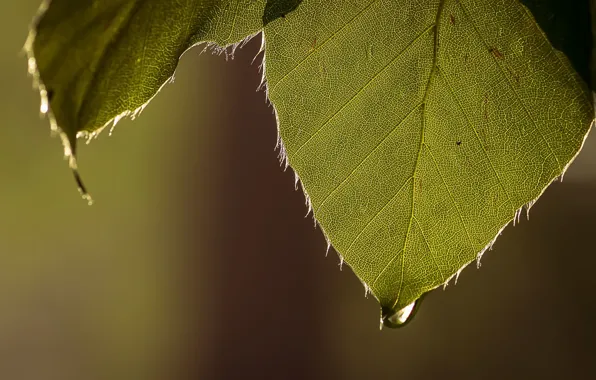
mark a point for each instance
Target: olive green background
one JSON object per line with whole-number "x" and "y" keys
{"x": 196, "y": 260}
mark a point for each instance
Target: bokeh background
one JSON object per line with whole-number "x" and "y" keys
{"x": 197, "y": 260}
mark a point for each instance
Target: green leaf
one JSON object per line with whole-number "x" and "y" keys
{"x": 98, "y": 61}
{"x": 567, "y": 25}
{"x": 419, "y": 129}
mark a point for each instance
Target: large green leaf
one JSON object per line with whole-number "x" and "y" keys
{"x": 418, "y": 129}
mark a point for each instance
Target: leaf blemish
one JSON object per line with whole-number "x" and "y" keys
{"x": 458, "y": 142}
{"x": 418, "y": 184}
{"x": 496, "y": 53}
{"x": 452, "y": 19}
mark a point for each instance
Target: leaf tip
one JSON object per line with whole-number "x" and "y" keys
{"x": 68, "y": 142}
{"x": 81, "y": 186}
{"x": 72, "y": 163}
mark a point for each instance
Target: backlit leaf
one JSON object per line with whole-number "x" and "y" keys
{"x": 418, "y": 128}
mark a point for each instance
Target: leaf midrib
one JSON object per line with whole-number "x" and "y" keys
{"x": 424, "y": 100}
{"x": 349, "y": 101}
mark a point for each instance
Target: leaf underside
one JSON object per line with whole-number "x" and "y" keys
{"x": 418, "y": 129}
{"x": 101, "y": 61}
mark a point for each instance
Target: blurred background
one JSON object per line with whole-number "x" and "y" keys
{"x": 196, "y": 260}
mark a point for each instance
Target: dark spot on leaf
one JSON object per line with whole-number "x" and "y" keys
{"x": 418, "y": 184}
{"x": 452, "y": 19}
{"x": 458, "y": 142}
{"x": 496, "y": 53}
{"x": 275, "y": 9}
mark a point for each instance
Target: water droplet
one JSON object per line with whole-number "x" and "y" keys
{"x": 394, "y": 319}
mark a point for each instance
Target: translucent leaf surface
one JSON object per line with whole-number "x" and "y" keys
{"x": 419, "y": 129}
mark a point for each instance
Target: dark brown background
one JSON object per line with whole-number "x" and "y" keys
{"x": 197, "y": 261}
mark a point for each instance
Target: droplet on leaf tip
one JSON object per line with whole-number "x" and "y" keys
{"x": 397, "y": 318}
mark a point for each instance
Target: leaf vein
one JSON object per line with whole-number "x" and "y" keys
{"x": 359, "y": 92}
{"x": 368, "y": 155}
{"x": 316, "y": 49}
{"x": 454, "y": 97}
{"x": 508, "y": 80}
{"x": 377, "y": 214}
{"x": 102, "y": 61}
{"x": 426, "y": 92}
{"x": 443, "y": 277}
{"x": 459, "y": 213}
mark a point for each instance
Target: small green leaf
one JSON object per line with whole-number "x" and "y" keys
{"x": 419, "y": 129}
{"x": 98, "y": 61}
